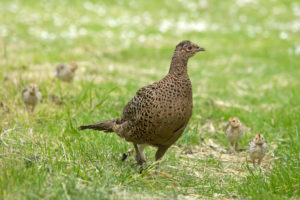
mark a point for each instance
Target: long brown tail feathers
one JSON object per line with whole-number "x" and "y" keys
{"x": 106, "y": 126}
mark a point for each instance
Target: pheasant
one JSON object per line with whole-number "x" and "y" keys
{"x": 257, "y": 148}
{"x": 31, "y": 96}
{"x": 158, "y": 114}
{"x": 66, "y": 72}
{"x": 234, "y": 131}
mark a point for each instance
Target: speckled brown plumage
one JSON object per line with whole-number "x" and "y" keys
{"x": 158, "y": 114}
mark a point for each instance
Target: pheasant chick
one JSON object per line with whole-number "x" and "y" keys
{"x": 257, "y": 148}
{"x": 31, "y": 96}
{"x": 234, "y": 131}
{"x": 66, "y": 72}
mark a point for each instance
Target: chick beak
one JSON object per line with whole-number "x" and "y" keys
{"x": 200, "y": 49}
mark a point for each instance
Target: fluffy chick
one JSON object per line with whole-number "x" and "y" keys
{"x": 234, "y": 131}
{"x": 257, "y": 148}
{"x": 31, "y": 96}
{"x": 66, "y": 72}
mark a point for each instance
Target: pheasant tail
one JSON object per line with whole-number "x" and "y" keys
{"x": 106, "y": 126}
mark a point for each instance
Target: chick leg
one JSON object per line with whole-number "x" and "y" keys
{"x": 253, "y": 161}
{"x": 232, "y": 144}
{"x": 259, "y": 161}
{"x": 27, "y": 108}
{"x": 236, "y": 146}
{"x": 32, "y": 109}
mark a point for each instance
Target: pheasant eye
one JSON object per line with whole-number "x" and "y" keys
{"x": 189, "y": 48}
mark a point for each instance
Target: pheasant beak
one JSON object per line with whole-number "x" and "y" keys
{"x": 32, "y": 92}
{"x": 260, "y": 141}
{"x": 200, "y": 49}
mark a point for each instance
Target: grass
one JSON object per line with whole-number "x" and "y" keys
{"x": 250, "y": 69}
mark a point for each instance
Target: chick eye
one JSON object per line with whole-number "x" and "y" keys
{"x": 189, "y": 48}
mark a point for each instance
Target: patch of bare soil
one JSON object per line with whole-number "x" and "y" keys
{"x": 228, "y": 163}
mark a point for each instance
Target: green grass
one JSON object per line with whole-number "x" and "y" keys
{"x": 250, "y": 69}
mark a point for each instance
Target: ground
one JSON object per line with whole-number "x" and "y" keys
{"x": 250, "y": 70}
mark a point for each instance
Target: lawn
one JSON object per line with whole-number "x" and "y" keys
{"x": 250, "y": 69}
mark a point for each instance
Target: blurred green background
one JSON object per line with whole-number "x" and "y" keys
{"x": 250, "y": 69}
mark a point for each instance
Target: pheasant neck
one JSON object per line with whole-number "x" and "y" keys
{"x": 178, "y": 65}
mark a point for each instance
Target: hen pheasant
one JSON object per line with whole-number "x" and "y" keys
{"x": 257, "y": 148}
{"x": 66, "y": 72}
{"x": 234, "y": 131}
{"x": 31, "y": 96}
{"x": 158, "y": 114}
